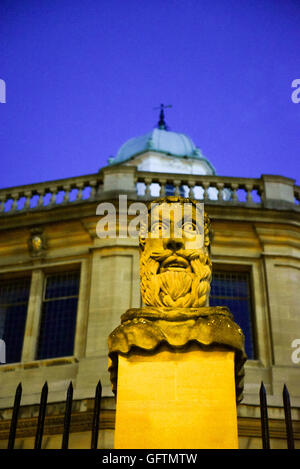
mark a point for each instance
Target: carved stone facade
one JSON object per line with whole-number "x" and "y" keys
{"x": 260, "y": 237}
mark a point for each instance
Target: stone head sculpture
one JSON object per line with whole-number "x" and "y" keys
{"x": 175, "y": 265}
{"x": 175, "y": 274}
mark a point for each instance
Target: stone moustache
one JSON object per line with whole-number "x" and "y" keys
{"x": 175, "y": 278}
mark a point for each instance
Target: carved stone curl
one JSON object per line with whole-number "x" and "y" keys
{"x": 146, "y": 329}
{"x": 175, "y": 273}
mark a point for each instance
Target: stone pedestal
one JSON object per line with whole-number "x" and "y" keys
{"x": 177, "y": 375}
{"x": 177, "y": 400}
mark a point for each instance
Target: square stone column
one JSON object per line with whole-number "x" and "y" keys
{"x": 177, "y": 400}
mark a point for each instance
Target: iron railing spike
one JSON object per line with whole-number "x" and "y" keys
{"x": 41, "y": 417}
{"x": 288, "y": 418}
{"x": 67, "y": 418}
{"x": 264, "y": 417}
{"x": 96, "y": 415}
{"x": 14, "y": 419}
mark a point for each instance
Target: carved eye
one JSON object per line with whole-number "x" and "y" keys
{"x": 158, "y": 228}
{"x": 190, "y": 228}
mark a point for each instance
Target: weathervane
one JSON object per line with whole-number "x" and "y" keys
{"x": 161, "y": 122}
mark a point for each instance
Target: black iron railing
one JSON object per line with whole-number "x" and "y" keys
{"x": 265, "y": 434}
{"x": 67, "y": 417}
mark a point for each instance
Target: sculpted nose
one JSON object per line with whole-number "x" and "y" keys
{"x": 174, "y": 244}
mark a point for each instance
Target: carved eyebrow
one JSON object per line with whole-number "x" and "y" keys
{"x": 158, "y": 220}
{"x": 187, "y": 220}
{"x": 158, "y": 217}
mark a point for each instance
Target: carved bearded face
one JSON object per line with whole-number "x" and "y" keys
{"x": 175, "y": 267}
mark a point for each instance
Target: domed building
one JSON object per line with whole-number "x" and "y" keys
{"x": 63, "y": 288}
{"x": 162, "y": 150}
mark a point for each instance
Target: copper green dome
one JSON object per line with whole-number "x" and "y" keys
{"x": 163, "y": 141}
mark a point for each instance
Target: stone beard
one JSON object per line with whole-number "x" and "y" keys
{"x": 187, "y": 287}
{"x": 172, "y": 275}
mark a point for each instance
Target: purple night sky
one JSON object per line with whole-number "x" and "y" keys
{"x": 82, "y": 77}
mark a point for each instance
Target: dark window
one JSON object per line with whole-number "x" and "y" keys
{"x": 14, "y": 295}
{"x": 232, "y": 289}
{"x": 59, "y": 313}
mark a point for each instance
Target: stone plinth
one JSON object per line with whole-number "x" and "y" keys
{"x": 177, "y": 400}
{"x": 178, "y": 375}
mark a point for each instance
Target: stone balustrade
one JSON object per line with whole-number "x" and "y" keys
{"x": 49, "y": 194}
{"x": 268, "y": 191}
{"x": 208, "y": 189}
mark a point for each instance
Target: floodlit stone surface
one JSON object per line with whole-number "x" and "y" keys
{"x": 177, "y": 400}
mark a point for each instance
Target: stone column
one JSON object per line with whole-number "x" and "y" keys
{"x": 177, "y": 399}
{"x": 177, "y": 381}
{"x": 33, "y": 316}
